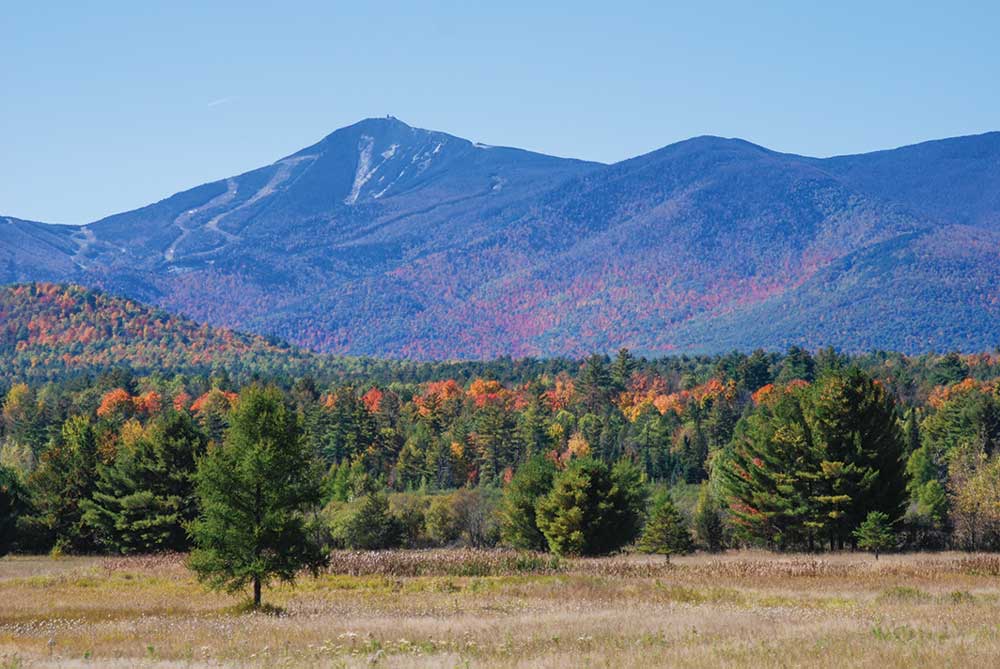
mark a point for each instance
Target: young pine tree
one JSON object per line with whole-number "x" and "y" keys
{"x": 531, "y": 483}
{"x": 875, "y": 533}
{"x": 253, "y": 492}
{"x": 666, "y": 532}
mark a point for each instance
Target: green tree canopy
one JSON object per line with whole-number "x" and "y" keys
{"x": 591, "y": 509}
{"x": 253, "y": 491}
{"x": 144, "y": 500}
{"x": 666, "y": 532}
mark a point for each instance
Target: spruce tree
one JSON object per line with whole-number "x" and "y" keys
{"x": 531, "y": 483}
{"x": 13, "y": 502}
{"x": 253, "y": 491}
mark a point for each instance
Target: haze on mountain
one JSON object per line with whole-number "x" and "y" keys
{"x": 383, "y": 239}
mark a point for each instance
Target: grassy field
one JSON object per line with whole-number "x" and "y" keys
{"x": 468, "y": 609}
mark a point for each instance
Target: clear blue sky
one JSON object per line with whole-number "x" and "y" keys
{"x": 114, "y": 105}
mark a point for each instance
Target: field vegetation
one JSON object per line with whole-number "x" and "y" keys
{"x": 480, "y": 608}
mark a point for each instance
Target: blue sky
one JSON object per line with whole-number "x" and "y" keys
{"x": 117, "y": 104}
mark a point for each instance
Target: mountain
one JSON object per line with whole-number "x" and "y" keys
{"x": 383, "y": 239}
{"x": 49, "y": 329}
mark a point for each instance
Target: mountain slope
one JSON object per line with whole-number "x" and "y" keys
{"x": 383, "y": 239}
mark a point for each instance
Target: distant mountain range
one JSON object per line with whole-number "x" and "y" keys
{"x": 383, "y": 239}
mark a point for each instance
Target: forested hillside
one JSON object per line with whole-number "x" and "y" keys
{"x": 51, "y": 330}
{"x": 787, "y": 451}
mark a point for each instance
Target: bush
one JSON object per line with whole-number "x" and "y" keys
{"x": 476, "y": 513}
{"x": 410, "y": 510}
{"x": 365, "y": 524}
{"x": 441, "y": 521}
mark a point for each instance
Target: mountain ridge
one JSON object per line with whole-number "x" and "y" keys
{"x": 384, "y": 239}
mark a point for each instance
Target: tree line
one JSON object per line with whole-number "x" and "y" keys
{"x": 791, "y": 452}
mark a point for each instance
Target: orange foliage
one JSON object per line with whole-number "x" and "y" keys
{"x": 182, "y": 401}
{"x": 437, "y": 393}
{"x": 561, "y": 395}
{"x": 148, "y": 403}
{"x": 373, "y": 400}
{"x": 213, "y": 398}
{"x": 485, "y": 392}
{"x": 114, "y": 402}
{"x": 943, "y": 394}
{"x": 762, "y": 394}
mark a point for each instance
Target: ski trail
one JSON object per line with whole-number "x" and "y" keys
{"x": 185, "y": 218}
{"x": 279, "y": 177}
{"x": 84, "y": 238}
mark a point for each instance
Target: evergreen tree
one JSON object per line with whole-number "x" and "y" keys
{"x": 708, "y": 526}
{"x": 591, "y": 509}
{"x": 666, "y": 532}
{"x": 64, "y": 479}
{"x": 531, "y": 483}
{"x": 13, "y": 503}
{"x": 253, "y": 491}
{"x": 622, "y": 368}
{"x": 144, "y": 500}
{"x": 875, "y": 533}
{"x": 797, "y": 364}
{"x": 809, "y": 464}
{"x": 854, "y": 421}
{"x": 594, "y": 384}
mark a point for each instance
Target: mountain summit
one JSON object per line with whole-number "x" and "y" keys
{"x": 391, "y": 240}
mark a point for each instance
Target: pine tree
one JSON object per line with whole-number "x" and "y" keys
{"x": 666, "y": 532}
{"x": 875, "y": 533}
{"x": 13, "y": 503}
{"x": 622, "y": 368}
{"x": 810, "y": 463}
{"x": 253, "y": 491}
{"x": 144, "y": 500}
{"x": 854, "y": 421}
{"x": 591, "y": 509}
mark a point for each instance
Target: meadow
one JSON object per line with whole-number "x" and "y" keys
{"x": 465, "y": 608}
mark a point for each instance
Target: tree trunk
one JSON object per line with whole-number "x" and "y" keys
{"x": 256, "y": 592}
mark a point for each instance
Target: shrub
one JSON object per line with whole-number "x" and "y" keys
{"x": 442, "y": 521}
{"x": 366, "y": 524}
{"x": 410, "y": 510}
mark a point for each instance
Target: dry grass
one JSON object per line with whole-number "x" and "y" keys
{"x": 474, "y": 608}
